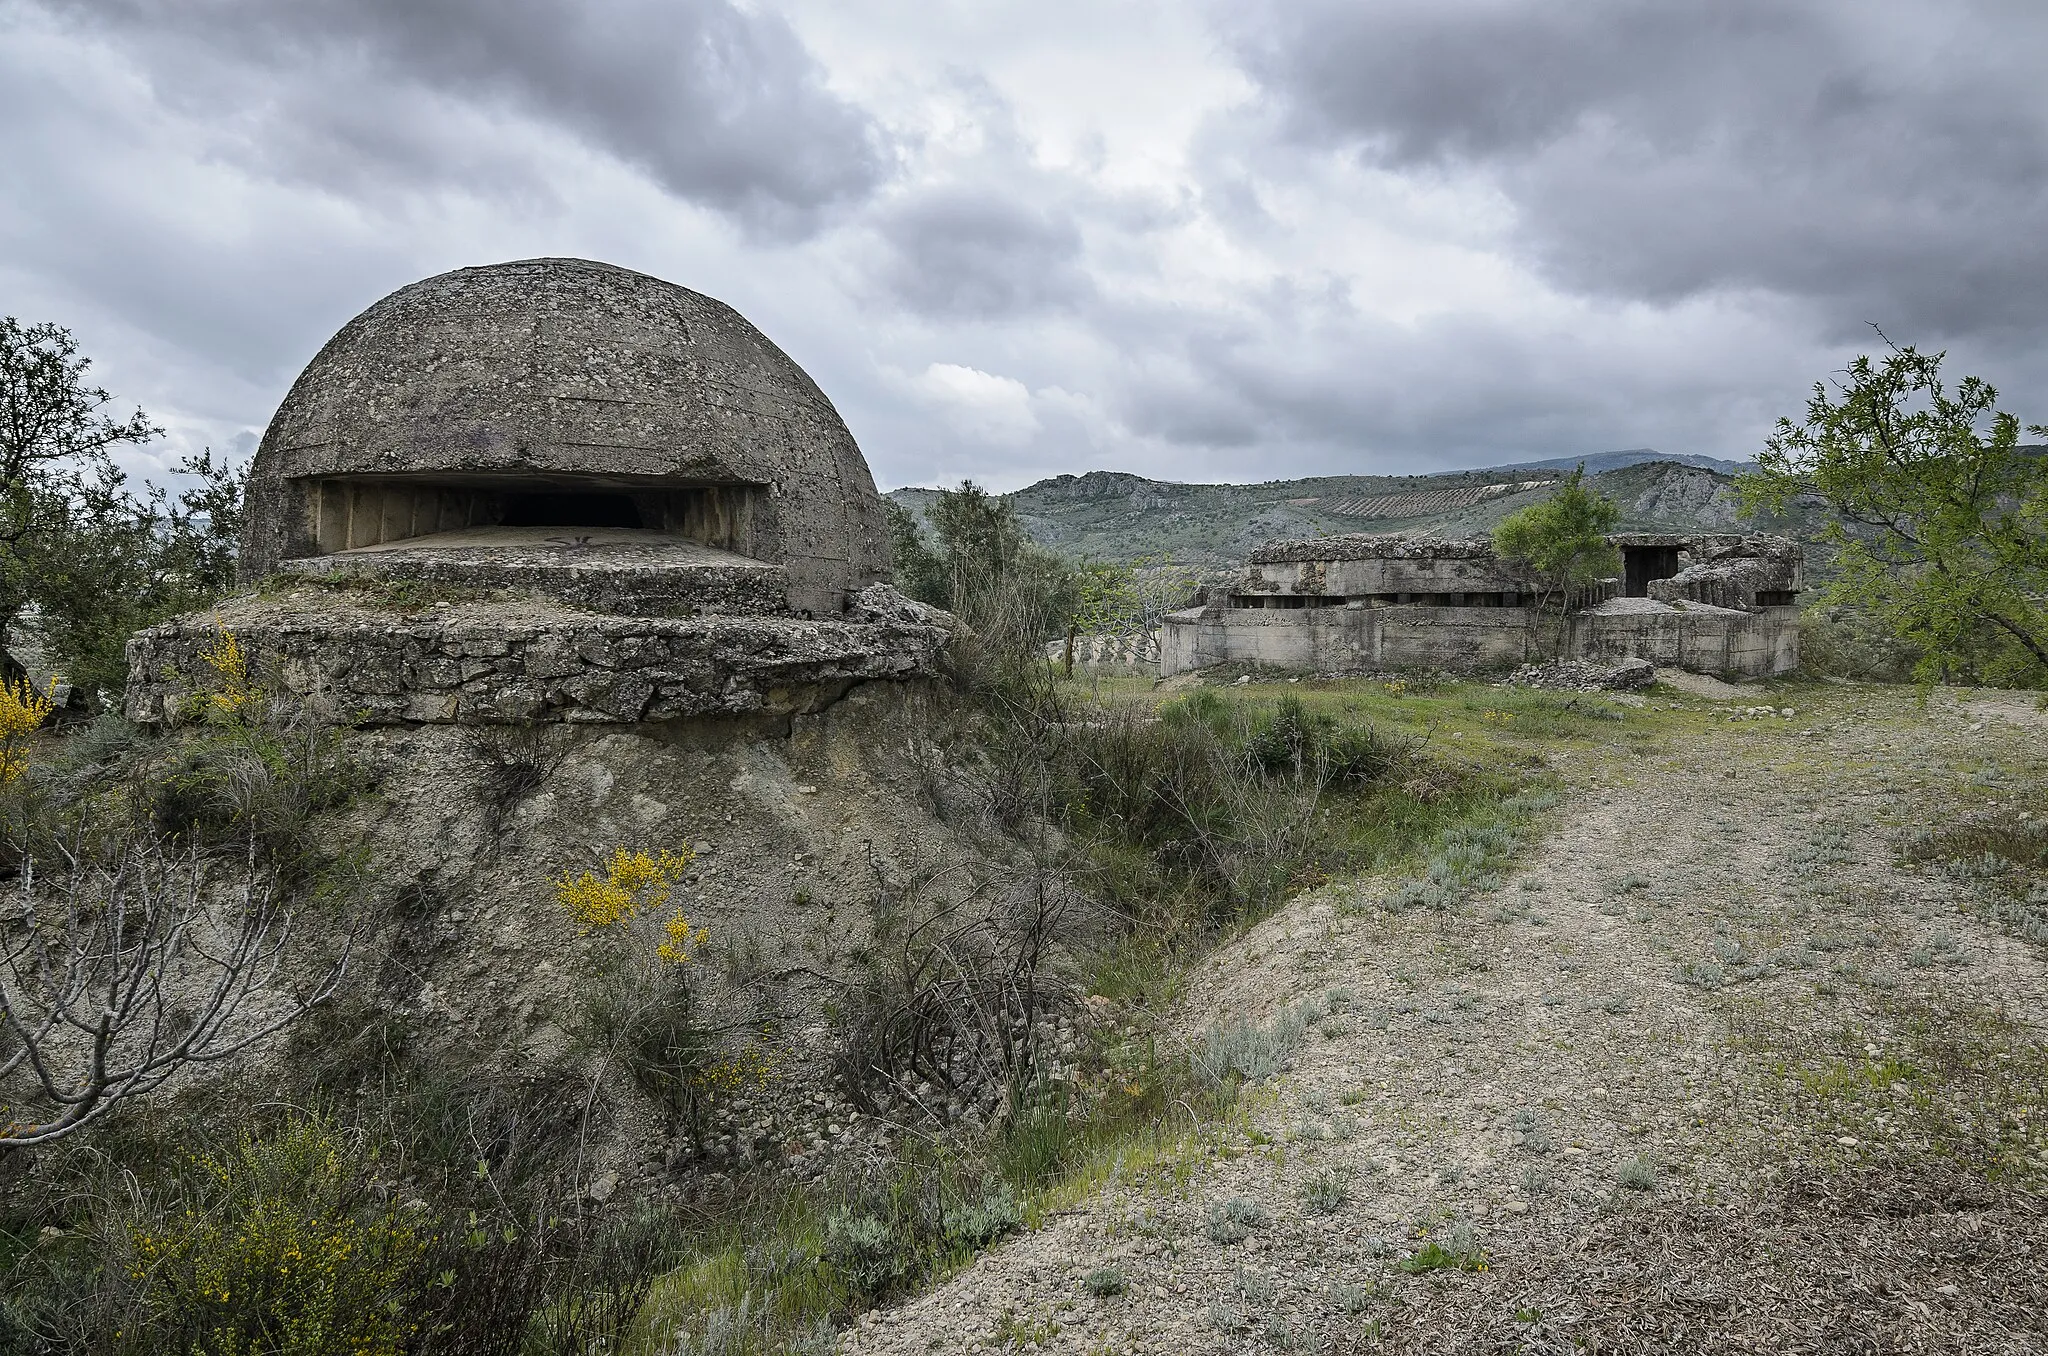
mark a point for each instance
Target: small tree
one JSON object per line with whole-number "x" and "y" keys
{"x": 55, "y": 440}
{"x": 1939, "y": 517}
{"x": 119, "y": 972}
{"x": 984, "y": 567}
{"x": 95, "y": 559}
{"x": 1561, "y": 542}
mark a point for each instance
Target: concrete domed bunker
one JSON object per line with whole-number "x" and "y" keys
{"x": 503, "y": 416}
{"x": 608, "y": 499}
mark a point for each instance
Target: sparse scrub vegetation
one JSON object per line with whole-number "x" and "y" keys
{"x": 1248, "y": 1052}
{"x": 1327, "y": 1192}
{"x": 1455, "y": 1249}
{"x": 1232, "y": 1220}
{"x": 1104, "y": 1282}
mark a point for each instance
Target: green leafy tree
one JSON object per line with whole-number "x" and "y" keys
{"x": 95, "y": 559}
{"x": 1938, "y": 517}
{"x": 981, "y": 565}
{"x": 1561, "y": 542}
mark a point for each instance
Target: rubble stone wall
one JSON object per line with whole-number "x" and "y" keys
{"x": 495, "y": 663}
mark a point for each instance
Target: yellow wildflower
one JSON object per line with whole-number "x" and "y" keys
{"x": 22, "y": 711}
{"x": 633, "y": 882}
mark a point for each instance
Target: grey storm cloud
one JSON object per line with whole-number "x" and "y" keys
{"x": 719, "y": 105}
{"x": 1882, "y": 160}
{"x": 961, "y": 252}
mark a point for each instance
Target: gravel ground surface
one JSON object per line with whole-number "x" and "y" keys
{"x": 1711, "y": 1070}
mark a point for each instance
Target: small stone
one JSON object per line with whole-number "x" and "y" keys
{"x": 1846, "y": 1141}
{"x": 1517, "y": 1207}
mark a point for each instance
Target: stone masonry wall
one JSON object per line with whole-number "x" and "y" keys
{"x": 512, "y": 662}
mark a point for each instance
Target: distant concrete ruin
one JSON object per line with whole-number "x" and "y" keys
{"x": 612, "y": 499}
{"x": 1721, "y": 604}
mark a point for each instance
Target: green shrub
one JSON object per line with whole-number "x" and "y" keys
{"x": 287, "y": 1244}
{"x": 1105, "y": 1282}
{"x": 864, "y": 1250}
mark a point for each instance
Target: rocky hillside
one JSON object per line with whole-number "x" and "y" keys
{"x": 1111, "y": 515}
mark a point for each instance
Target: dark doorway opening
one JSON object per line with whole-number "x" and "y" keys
{"x": 1641, "y": 564}
{"x": 555, "y": 508}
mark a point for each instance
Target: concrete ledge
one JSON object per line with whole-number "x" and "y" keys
{"x": 626, "y": 571}
{"x": 521, "y": 661}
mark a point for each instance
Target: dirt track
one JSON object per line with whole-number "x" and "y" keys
{"x": 1710, "y": 1071}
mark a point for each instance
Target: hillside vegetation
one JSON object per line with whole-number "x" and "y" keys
{"x": 1114, "y": 516}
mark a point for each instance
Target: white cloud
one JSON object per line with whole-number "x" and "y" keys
{"x": 981, "y": 405}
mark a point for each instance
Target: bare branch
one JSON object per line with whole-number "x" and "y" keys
{"x": 122, "y": 970}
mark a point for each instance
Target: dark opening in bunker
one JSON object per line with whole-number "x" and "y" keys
{"x": 1642, "y": 564}
{"x": 350, "y": 513}
{"x": 555, "y": 508}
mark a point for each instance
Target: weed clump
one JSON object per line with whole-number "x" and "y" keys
{"x": 1326, "y": 1193}
{"x": 1457, "y": 1250}
{"x": 1232, "y": 1220}
{"x": 1105, "y": 1282}
{"x": 1245, "y": 1052}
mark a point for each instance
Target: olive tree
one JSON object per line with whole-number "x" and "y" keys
{"x": 1937, "y": 515}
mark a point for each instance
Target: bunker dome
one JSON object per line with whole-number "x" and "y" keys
{"x": 618, "y": 501}
{"x": 497, "y": 417}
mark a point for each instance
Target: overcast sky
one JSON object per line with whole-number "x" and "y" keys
{"x": 1233, "y": 241}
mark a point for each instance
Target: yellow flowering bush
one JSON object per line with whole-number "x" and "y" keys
{"x": 235, "y": 695}
{"x": 22, "y": 712}
{"x": 747, "y": 1071}
{"x": 283, "y": 1247}
{"x": 633, "y": 884}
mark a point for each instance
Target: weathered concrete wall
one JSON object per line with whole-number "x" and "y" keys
{"x": 1340, "y": 578}
{"x": 533, "y": 660}
{"x": 1332, "y": 639}
{"x": 1466, "y": 639}
{"x": 1742, "y": 645}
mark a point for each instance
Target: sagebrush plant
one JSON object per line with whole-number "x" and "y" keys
{"x": 1326, "y": 1192}
{"x": 1248, "y": 1052}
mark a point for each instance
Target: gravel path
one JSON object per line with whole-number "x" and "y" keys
{"x": 1621, "y": 1080}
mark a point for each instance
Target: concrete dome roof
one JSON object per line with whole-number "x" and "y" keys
{"x": 570, "y": 374}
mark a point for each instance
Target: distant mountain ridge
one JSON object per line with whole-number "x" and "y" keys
{"x": 1635, "y": 456}
{"x": 1117, "y": 516}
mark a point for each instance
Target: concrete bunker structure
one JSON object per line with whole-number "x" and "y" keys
{"x": 666, "y": 513}
{"x": 559, "y": 406}
{"x": 1722, "y": 604}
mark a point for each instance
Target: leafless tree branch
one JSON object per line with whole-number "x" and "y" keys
{"x": 120, "y": 969}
